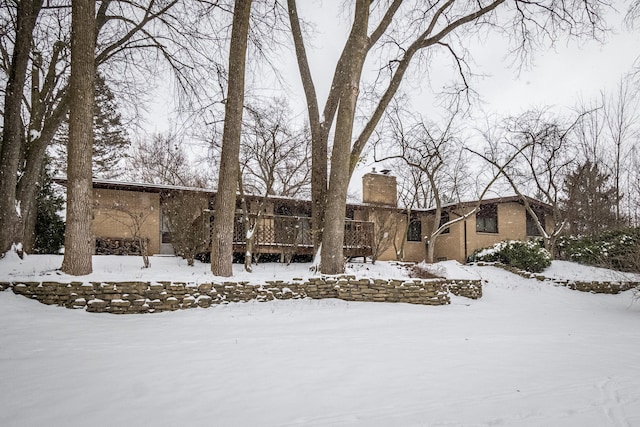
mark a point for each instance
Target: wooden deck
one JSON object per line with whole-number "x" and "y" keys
{"x": 291, "y": 235}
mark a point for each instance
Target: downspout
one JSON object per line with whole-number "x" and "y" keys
{"x": 466, "y": 255}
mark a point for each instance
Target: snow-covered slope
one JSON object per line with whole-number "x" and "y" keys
{"x": 169, "y": 268}
{"x": 527, "y": 354}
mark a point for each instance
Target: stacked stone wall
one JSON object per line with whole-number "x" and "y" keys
{"x": 598, "y": 287}
{"x": 149, "y": 297}
{"x": 594, "y": 287}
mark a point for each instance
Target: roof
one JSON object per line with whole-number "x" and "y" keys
{"x": 135, "y": 186}
{"x": 159, "y": 188}
{"x": 506, "y": 199}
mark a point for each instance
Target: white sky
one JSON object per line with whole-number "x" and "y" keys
{"x": 557, "y": 77}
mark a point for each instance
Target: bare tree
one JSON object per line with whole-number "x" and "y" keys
{"x": 225, "y": 203}
{"x": 250, "y": 224}
{"x": 545, "y": 153}
{"x": 437, "y": 153}
{"x": 274, "y": 157}
{"x": 274, "y": 154}
{"x": 134, "y": 220}
{"x": 590, "y": 131}
{"x": 633, "y": 187}
{"x": 188, "y": 223}
{"x": 422, "y": 28}
{"x": 385, "y": 230}
{"x": 608, "y": 132}
{"x": 162, "y": 160}
{"x": 621, "y": 117}
{"x": 12, "y": 134}
{"x": 126, "y": 31}
{"x": 79, "y": 242}
{"x": 414, "y": 192}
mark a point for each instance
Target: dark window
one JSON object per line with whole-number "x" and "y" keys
{"x": 487, "y": 219}
{"x": 292, "y": 210}
{"x": 414, "y": 231}
{"x": 444, "y": 218}
{"x": 532, "y": 228}
{"x": 349, "y": 212}
{"x": 283, "y": 210}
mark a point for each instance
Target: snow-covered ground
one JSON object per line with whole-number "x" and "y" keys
{"x": 527, "y": 354}
{"x": 169, "y": 268}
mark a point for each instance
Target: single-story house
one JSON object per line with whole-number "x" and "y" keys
{"x": 376, "y": 227}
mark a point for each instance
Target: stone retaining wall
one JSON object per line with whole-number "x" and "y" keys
{"x": 598, "y": 287}
{"x": 149, "y": 297}
{"x": 595, "y": 287}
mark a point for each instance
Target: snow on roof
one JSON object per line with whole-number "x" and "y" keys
{"x": 158, "y": 188}
{"x": 140, "y": 186}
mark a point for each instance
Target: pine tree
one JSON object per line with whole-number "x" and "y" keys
{"x": 591, "y": 200}
{"x": 111, "y": 141}
{"x": 49, "y": 227}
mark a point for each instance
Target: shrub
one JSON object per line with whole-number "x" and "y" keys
{"x": 529, "y": 256}
{"x": 617, "y": 249}
{"x": 188, "y": 224}
{"x": 425, "y": 271}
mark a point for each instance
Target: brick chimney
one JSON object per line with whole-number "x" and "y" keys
{"x": 379, "y": 188}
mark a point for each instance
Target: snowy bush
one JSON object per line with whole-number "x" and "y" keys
{"x": 426, "y": 271}
{"x": 617, "y": 249}
{"x": 529, "y": 256}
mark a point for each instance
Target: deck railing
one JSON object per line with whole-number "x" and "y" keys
{"x": 277, "y": 233}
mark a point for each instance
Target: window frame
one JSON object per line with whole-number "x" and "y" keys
{"x": 530, "y": 225}
{"x": 486, "y": 215}
{"x": 444, "y": 218}
{"x": 414, "y": 228}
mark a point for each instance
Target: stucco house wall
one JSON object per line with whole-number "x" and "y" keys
{"x": 451, "y": 245}
{"x": 114, "y": 204}
{"x": 463, "y": 239}
{"x": 112, "y": 212}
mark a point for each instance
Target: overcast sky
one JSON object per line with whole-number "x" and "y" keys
{"x": 557, "y": 77}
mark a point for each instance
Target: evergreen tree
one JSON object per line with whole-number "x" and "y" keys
{"x": 591, "y": 200}
{"x": 111, "y": 141}
{"x": 49, "y": 228}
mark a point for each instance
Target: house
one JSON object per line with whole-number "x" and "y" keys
{"x": 376, "y": 227}
{"x": 495, "y": 220}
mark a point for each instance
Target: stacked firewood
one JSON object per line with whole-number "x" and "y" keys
{"x": 118, "y": 246}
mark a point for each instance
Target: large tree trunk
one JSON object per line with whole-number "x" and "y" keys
{"x": 45, "y": 126}
{"x": 13, "y": 134}
{"x": 225, "y": 203}
{"x": 27, "y": 227}
{"x": 332, "y": 257}
{"x": 319, "y": 130}
{"x": 319, "y": 154}
{"x": 78, "y": 237}
{"x": 31, "y": 179}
